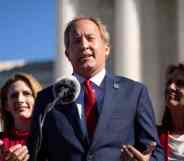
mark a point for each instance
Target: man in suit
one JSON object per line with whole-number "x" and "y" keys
{"x": 123, "y": 111}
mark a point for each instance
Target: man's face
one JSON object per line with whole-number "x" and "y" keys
{"x": 87, "y": 50}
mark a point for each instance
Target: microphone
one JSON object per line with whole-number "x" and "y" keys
{"x": 66, "y": 90}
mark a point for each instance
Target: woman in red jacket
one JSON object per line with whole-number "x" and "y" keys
{"x": 17, "y": 100}
{"x": 172, "y": 129}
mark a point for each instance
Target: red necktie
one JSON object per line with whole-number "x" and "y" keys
{"x": 89, "y": 107}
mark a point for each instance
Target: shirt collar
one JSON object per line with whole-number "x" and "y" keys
{"x": 97, "y": 79}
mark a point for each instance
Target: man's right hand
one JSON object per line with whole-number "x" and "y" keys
{"x": 129, "y": 153}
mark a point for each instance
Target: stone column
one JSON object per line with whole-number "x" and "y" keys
{"x": 180, "y": 6}
{"x": 66, "y": 11}
{"x": 127, "y": 58}
{"x": 136, "y": 50}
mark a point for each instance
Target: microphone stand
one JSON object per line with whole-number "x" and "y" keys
{"x": 42, "y": 117}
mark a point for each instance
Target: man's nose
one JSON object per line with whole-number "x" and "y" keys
{"x": 84, "y": 42}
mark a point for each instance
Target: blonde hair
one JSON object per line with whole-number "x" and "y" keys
{"x": 102, "y": 28}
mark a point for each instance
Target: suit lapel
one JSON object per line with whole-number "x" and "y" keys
{"x": 111, "y": 87}
{"x": 71, "y": 113}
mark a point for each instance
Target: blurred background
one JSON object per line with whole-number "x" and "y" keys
{"x": 146, "y": 36}
{"x": 28, "y": 38}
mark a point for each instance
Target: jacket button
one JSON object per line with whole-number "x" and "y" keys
{"x": 90, "y": 157}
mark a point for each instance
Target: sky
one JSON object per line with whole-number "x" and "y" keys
{"x": 27, "y": 29}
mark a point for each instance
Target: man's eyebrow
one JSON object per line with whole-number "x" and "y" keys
{"x": 74, "y": 33}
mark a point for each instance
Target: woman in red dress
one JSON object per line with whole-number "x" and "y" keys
{"x": 17, "y": 101}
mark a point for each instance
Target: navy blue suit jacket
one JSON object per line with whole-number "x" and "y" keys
{"x": 126, "y": 117}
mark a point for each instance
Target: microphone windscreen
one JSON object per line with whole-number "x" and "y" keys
{"x": 66, "y": 89}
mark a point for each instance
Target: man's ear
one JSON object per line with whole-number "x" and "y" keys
{"x": 107, "y": 48}
{"x": 67, "y": 53}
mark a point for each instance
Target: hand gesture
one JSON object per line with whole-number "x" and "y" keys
{"x": 129, "y": 153}
{"x": 16, "y": 152}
